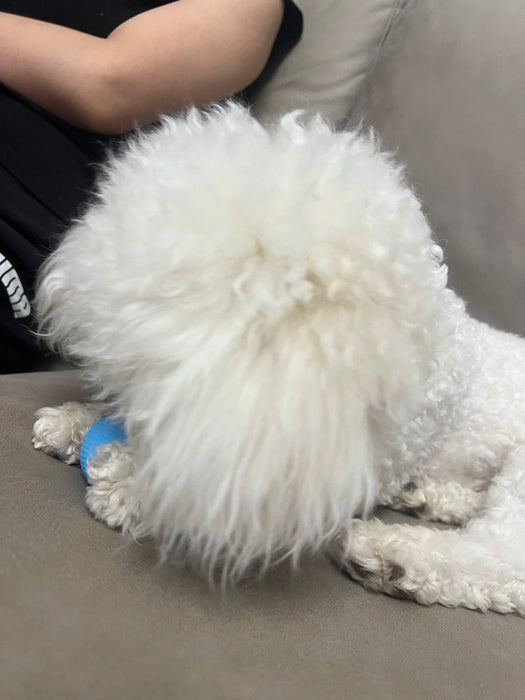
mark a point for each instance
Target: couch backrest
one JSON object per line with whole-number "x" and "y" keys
{"x": 327, "y": 68}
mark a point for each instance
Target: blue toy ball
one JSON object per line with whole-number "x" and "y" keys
{"x": 106, "y": 430}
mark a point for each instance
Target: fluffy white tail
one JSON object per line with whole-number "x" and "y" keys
{"x": 250, "y": 296}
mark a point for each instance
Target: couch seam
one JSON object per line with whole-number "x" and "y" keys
{"x": 398, "y": 8}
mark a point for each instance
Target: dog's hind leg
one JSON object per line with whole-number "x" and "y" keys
{"x": 443, "y": 501}
{"x": 59, "y": 431}
{"x": 480, "y": 566}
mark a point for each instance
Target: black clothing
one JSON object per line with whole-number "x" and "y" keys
{"x": 48, "y": 167}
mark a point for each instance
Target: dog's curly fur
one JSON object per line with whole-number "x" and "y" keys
{"x": 267, "y": 311}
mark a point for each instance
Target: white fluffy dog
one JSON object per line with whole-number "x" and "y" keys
{"x": 267, "y": 312}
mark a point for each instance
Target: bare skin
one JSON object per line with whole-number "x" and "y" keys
{"x": 186, "y": 52}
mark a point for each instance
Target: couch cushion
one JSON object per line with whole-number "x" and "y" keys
{"x": 447, "y": 95}
{"x": 325, "y": 70}
{"x": 86, "y": 616}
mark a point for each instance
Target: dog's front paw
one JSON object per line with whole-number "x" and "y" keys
{"x": 59, "y": 431}
{"x": 367, "y": 555}
{"x": 443, "y": 501}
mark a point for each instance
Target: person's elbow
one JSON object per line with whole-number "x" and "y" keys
{"x": 129, "y": 86}
{"x": 102, "y": 104}
{"x": 116, "y": 101}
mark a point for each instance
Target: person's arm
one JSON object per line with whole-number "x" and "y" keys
{"x": 186, "y": 52}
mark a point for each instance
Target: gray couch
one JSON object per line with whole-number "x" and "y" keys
{"x": 85, "y": 615}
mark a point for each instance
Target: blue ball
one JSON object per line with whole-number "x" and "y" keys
{"x": 106, "y": 430}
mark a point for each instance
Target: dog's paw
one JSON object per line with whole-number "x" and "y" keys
{"x": 443, "y": 501}
{"x": 111, "y": 496}
{"x": 410, "y": 500}
{"x": 367, "y": 555}
{"x": 450, "y": 567}
{"x": 59, "y": 431}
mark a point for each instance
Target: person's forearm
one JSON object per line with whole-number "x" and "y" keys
{"x": 191, "y": 51}
{"x": 58, "y": 68}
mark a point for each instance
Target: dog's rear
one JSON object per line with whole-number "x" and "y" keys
{"x": 249, "y": 298}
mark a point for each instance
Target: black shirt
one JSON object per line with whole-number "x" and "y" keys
{"x": 48, "y": 167}
{"x": 50, "y": 158}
